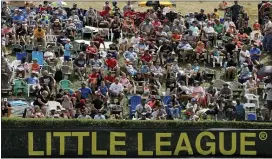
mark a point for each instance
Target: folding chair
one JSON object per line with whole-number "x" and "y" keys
{"x": 20, "y": 55}
{"x": 28, "y": 50}
{"x": 50, "y": 39}
{"x": 39, "y": 56}
{"x": 16, "y": 48}
{"x": 87, "y": 33}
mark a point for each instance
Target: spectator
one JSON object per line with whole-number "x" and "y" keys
{"x": 235, "y": 10}
{"x": 173, "y": 106}
{"x": 6, "y": 108}
{"x": 255, "y": 54}
{"x": 267, "y": 41}
{"x": 116, "y": 89}
{"x": 159, "y": 113}
{"x": 85, "y": 92}
{"x": 47, "y": 81}
{"x": 112, "y": 64}
{"x": 229, "y": 110}
{"x": 67, "y": 50}
{"x": 240, "y": 111}
{"x": 80, "y": 66}
{"x": 39, "y": 36}
{"x": 244, "y": 74}
{"x": 251, "y": 85}
{"x": 84, "y": 115}
{"x": 225, "y": 92}
{"x": 97, "y": 106}
{"x": 32, "y": 81}
{"x": 244, "y": 53}
{"x": 143, "y": 109}
{"x": 100, "y": 116}
{"x": 41, "y": 101}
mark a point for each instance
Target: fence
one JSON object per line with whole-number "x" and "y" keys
{"x": 54, "y": 138}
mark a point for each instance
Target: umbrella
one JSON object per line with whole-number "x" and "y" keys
{"x": 265, "y": 71}
{"x": 58, "y": 4}
{"x": 165, "y": 3}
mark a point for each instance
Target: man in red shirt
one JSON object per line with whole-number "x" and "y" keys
{"x": 92, "y": 78}
{"x": 146, "y": 57}
{"x": 112, "y": 64}
{"x": 98, "y": 40}
{"x": 109, "y": 79}
{"x": 129, "y": 12}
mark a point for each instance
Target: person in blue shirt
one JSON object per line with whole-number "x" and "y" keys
{"x": 240, "y": 111}
{"x": 28, "y": 12}
{"x": 85, "y": 91}
{"x": 44, "y": 20}
{"x": 255, "y": 54}
{"x": 33, "y": 81}
{"x": 130, "y": 56}
{"x": 67, "y": 50}
{"x": 196, "y": 67}
{"x": 17, "y": 18}
{"x": 173, "y": 106}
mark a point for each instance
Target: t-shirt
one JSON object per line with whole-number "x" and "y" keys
{"x": 84, "y": 117}
{"x": 39, "y": 34}
{"x": 116, "y": 88}
{"x": 56, "y": 26}
{"x": 230, "y": 47}
{"x": 218, "y": 28}
{"x": 255, "y": 51}
{"x": 103, "y": 90}
{"x": 32, "y": 80}
{"x": 195, "y": 30}
{"x": 244, "y": 53}
{"x": 235, "y": 9}
{"x": 111, "y": 63}
{"x": 93, "y": 77}
{"x": 98, "y": 103}
{"x": 146, "y": 57}
{"x": 67, "y": 49}
{"x": 109, "y": 78}
{"x": 85, "y": 92}
{"x": 35, "y": 67}
{"x": 21, "y": 32}
{"x": 47, "y": 80}
{"x": 80, "y": 62}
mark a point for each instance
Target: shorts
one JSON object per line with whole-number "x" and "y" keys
{"x": 66, "y": 58}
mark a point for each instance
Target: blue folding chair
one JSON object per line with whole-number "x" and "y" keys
{"x": 39, "y": 56}
{"x": 20, "y": 55}
{"x": 134, "y": 101}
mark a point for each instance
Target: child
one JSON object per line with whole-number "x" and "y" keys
{"x": 35, "y": 67}
{"x": 67, "y": 51}
{"x": 216, "y": 57}
{"x": 200, "y": 50}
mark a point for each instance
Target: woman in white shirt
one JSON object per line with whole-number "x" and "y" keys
{"x": 251, "y": 85}
{"x": 244, "y": 53}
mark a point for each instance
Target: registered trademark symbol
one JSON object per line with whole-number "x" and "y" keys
{"x": 263, "y": 136}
